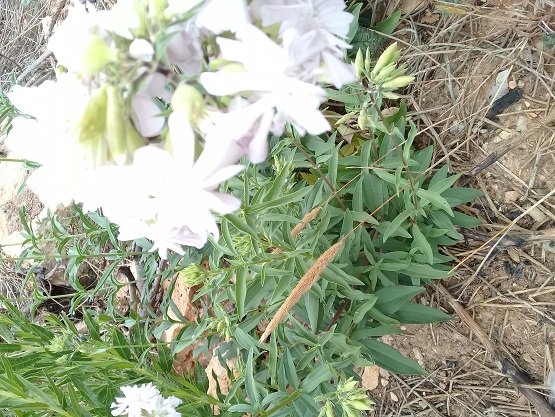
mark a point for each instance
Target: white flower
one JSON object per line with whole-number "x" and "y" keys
{"x": 144, "y": 111}
{"x": 324, "y": 22}
{"x": 136, "y": 400}
{"x": 50, "y": 137}
{"x": 219, "y": 16}
{"x": 184, "y": 49}
{"x": 141, "y": 49}
{"x": 79, "y": 43}
{"x": 121, "y": 19}
{"x": 165, "y": 407}
{"x": 276, "y": 95}
{"x": 174, "y": 202}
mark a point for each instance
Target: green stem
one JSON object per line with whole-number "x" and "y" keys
{"x": 281, "y": 404}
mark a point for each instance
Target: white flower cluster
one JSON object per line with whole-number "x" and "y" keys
{"x": 159, "y": 100}
{"x": 144, "y": 401}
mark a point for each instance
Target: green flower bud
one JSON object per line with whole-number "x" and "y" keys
{"x": 390, "y": 95}
{"x": 362, "y": 120}
{"x": 134, "y": 140}
{"x": 385, "y": 72}
{"x": 188, "y": 99}
{"x": 96, "y": 54}
{"x": 367, "y": 60}
{"x": 359, "y": 63}
{"x": 329, "y": 409}
{"x": 93, "y": 121}
{"x": 398, "y": 82}
{"x": 361, "y": 405}
{"x": 387, "y": 57}
{"x": 345, "y": 118}
{"x": 116, "y": 132}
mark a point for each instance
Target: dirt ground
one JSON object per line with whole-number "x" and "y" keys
{"x": 456, "y": 52}
{"x": 505, "y": 293}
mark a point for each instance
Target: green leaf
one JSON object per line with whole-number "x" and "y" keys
{"x": 460, "y": 195}
{"x": 362, "y": 310}
{"x": 444, "y": 184}
{"x": 318, "y": 375}
{"x": 241, "y": 291}
{"x": 241, "y": 225}
{"x": 425, "y": 271}
{"x": 388, "y": 25}
{"x": 413, "y": 313}
{"x": 396, "y": 223}
{"x": 436, "y": 200}
{"x": 464, "y": 220}
{"x": 422, "y": 243}
{"x": 390, "y": 299}
{"x": 250, "y": 383}
{"x": 391, "y": 359}
{"x": 278, "y": 202}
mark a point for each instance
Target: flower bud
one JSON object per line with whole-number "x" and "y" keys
{"x": 188, "y": 99}
{"x": 361, "y": 405}
{"x": 367, "y": 60}
{"x": 359, "y": 63}
{"x": 93, "y": 120}
{"x": 362, "y": 120}
{"x": 329, "y": 409}
{"x": 116, "y": 135}
{"x": 134, "y": 140}
{"x": 387, "y": 57}
{"x": 390, "y": 95}
{"x": 95, "y": 54}
{"x": 345, "y": 118}
{"x": 384, "y": 73}
{"x": 398, "y": 82}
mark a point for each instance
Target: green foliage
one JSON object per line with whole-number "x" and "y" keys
{"x": 392, "y": 207}
{"x": 56, "y": 369}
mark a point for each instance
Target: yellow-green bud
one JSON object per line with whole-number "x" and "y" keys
{"x": 367, "y": 60}
{"x": 361, "y": 405}
{"x": 96, "y": 54}
{"x": 359, "y": 63}
{"x": 93, "y": 121}
{"x": 390, "y": 95}
{"x": 156, "y": 9}
{"x": 349, "y": 385}
{"x": 345, "y": 118}
{"x": 133, "y": 138}
{"x": 349, "y": 411}
{"x": 116, "y": 134}
{"x": 384, "y": 72}
{"x": 329, "y": 409}
{"x": 362, "y": 120}
{"x": 398, "y": 82}
{"x": 386, "y": 58}
{"x": 188, "y": 99}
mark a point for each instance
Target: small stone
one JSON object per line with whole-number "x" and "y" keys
{"x": 384, "y": 382}
{"x": 511, "y": 196}
{"x": 520, "y": 84}
{"x": 393, "y": 397}
{"x": 512, "y": 84}
{"x": 513, "y": 254}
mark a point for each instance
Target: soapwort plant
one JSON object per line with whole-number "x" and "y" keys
{"x": 301, "y": 246}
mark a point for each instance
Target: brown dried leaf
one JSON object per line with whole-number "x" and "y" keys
{"x": 222, "y": 378}
{"x": 370, "y": 377}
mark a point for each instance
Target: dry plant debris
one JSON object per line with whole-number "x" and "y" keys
{"x": 456, "y": 57}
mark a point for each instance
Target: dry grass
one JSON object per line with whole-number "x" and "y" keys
{"x": 22, "y": 40}
{"x": 507, "y": 290}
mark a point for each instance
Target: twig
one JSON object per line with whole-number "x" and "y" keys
{"x": 33, "y": 66}
{"x": 519, "y": 378}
